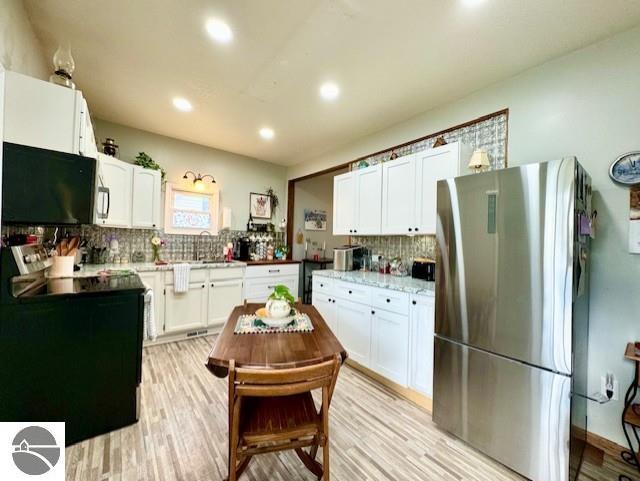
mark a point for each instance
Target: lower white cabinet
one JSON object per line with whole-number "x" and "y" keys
{"x": 261, "y": 279}
{"x": 385, "y": 330}
{"x": 326, "y": 306}
{"x": 354, "y": 330}
{"x": 422, "y": 316}
{"x": 390, "y": 345}
{"x": 223, "y": 297}
{"x": 186, "y": 310}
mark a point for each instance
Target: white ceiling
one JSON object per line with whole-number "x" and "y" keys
{"x": 392, "y": 60}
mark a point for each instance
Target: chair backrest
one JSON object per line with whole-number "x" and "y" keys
{"x": 284, "y": 382}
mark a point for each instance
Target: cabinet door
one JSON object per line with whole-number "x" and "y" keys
{"x": 390, "y": 345}
{"x": 398, "y": 195}
{"x": 41, "y": 114}
{"x": 223, "y": 297}
{"x": 368, "y": 200}
{"x": 116, "y": 176}
{"x": 88, "y": 146}
{"x": 326, "y": 306}
{"x": 432, "y": 165}
{"x": 186, "y": 310}
{"x": 155, "y": 280}
{"x": 354, "y": 330}
{"x": 146, "y": 198}
{"x": 344, "y": 204}
{"x": 422, "y": 317}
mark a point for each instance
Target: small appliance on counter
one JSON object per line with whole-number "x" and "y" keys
{"x": 423, "y": 268}
{"x": 348, "y": 258}
{"x": 242, "y": 249}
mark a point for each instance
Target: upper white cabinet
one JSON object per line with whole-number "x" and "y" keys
{"x": 45, "y": 115}
{"x": 113, "y": 201}
{"x": 357, "y": 199}
{"x": 344, "y": 204}
{"x": 398, "y": 195}
{"x": 421, "y": 319}
{"x": 432, "y": 165}
{"x": 146, "y": 198}
{"x": 127, "y": 195}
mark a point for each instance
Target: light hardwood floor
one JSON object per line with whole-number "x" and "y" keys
{"x": 182, "y": 434}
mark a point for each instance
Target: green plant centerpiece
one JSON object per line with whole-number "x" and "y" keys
{"x": 144, "y": 160}
{"x": 280, "y": 302}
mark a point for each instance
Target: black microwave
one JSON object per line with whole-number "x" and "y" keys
{"x": 46, "y": 187}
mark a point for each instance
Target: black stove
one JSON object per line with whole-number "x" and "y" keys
{"x": 27, "y": 288}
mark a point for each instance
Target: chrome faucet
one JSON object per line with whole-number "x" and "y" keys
{"x": 198, "y": 253}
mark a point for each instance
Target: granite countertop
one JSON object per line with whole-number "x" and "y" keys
{"x": 386, "y": 281}
{"x": 89, "y": 270}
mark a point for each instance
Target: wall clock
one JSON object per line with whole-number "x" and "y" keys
{"x": 626, "y": 169}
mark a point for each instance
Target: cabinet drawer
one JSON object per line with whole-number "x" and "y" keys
{"x": 258, "y": 290}
{"x": 273, "y": 270}
{"x": 322, "y": 284}
{"x": 195, "y": 275}
{"x": 389, "y": 300}
{"x": 352, "y": 292}
{"x": 226, "y": 273}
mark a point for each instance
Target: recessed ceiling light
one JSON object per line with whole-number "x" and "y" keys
{"x": 182, "y": 104}
{"x": 267, "y": 133}
{"x": 219, "y": 30}
{"x": 329, "y": 91}
{"x": 472, "y": 3}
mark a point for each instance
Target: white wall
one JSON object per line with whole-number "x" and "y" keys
{"x": 20, "y": 50}
{"x": 236, "y": 175}
{"x": 586, "y": 104}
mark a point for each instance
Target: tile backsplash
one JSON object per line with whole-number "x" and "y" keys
{"x": 405, "y": 247}
{"x": 177, "y": 247}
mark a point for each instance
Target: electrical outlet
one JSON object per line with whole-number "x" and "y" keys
{"x": 603, "y": 386}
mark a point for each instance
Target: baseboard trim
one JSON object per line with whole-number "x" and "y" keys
{"x": 609, "y": 447}
{"x": 415, "y": 397}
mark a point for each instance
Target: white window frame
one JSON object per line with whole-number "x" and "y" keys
{"x": 211, "y": 191}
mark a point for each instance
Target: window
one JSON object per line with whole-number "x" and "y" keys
{"x": 188, "y": 212}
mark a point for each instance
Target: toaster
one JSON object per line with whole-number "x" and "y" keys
{"x": 423, "y": 268}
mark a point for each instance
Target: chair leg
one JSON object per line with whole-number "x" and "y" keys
{"x": 314, "y": 451}
{"x": 325, "y": 461}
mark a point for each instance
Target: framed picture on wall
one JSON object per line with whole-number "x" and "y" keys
{"x": 315, "y": 219}
{"x": 260, "y": 205}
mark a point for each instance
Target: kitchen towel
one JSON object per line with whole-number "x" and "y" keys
{"x": 150, "y": 331}
{"x": 181, "y": 277}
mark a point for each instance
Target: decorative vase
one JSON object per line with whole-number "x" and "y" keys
{"x": 278, "y": 308}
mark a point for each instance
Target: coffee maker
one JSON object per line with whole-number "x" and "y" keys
{"x": 242, "y": 249}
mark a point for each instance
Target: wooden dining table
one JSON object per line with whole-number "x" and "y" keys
{"x": 273, "y": 350}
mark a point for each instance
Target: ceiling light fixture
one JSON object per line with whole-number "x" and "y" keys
{"x": 182, "y": 104}
{"x": 266, "y": 133}
{"x": 219, "y": 30}
{"x": 198, "y": 179}
{"x": 329, "y": 91}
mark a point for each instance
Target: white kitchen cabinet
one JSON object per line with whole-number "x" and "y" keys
{"x": 344, "y": 204}
{"x": 390, "y": 345}
{"x": 398, "y": 195}
{"x": 260, "y": 280}
{"x": 186, "y": 310}
{"x": 354, "y": 330}
{"x": 368, "y": 200}
{"x": 224, "y": 296}
{"x": 422, "y": 317}
{"x": 45, "y": 115}
{"x": 432, "y": 165}
{"x": 87, "y": 145}
{"x": 155, "y": 280}
{"x": 326, "y": 306}
{"x": 146, "y": 199}
{"x": 114, "y": 206}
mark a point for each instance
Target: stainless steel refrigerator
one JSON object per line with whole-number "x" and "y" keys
{"x": 512, "y": 296}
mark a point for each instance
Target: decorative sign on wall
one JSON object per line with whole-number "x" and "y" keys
{"x": 626, "y": 169}
{"x": 260, "y": 206}
{"x": 315, "y": 219}
{"x": 634, "y": 220}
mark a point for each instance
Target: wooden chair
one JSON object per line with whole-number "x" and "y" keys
{"x": 273, "y": 410}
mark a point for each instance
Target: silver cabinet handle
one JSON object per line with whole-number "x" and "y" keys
{"x": 274, "y": 270}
